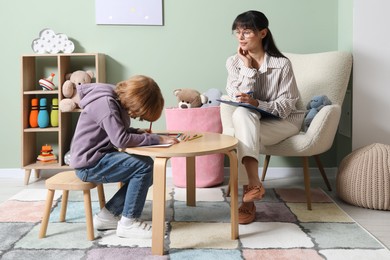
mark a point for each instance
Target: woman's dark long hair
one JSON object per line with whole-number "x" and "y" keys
{"x": 257, "y": 21}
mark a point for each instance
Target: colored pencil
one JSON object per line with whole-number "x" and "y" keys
{"x": 194, "y": 137}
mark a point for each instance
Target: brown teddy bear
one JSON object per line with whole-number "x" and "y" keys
{"x": 189, "y": 98}
{"x": 69, "y": 91}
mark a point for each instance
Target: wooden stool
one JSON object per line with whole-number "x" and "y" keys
{"x": 67, "y": 181}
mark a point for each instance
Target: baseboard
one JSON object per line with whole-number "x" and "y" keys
{"x": 12, "y": 173}
{"x": 272, "y": 173}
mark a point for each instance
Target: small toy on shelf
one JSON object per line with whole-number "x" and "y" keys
{"x": 54, "y": 112}
{"x": 71, "y": 99}
{"x": 47, "y": 83}
{"x": 43, "y": 114}
{"x": 67, "y": 158}
{"x": 33, "y": 118}
{"x": 46, "y": 155}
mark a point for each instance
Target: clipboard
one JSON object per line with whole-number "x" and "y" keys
{"x": 264, "y": 114}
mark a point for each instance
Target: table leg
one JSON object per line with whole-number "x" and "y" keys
{"x": 158, "y": 213}
{"x": 190, "y": 181}
{"x": 233, "y": 183}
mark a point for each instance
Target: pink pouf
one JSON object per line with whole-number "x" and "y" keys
{"x": 209, "y": 168}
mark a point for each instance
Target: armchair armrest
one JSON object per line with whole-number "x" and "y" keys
{"x": 324, "y": 126}
{"x": 317, "y": 139}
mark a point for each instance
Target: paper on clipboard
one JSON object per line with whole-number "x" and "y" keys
{"x": 263, "y": 113}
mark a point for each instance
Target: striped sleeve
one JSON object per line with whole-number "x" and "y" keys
{"x": 240, "y": 78}
{"x": 274, "y": 84}
{"x": 280, "y": 93}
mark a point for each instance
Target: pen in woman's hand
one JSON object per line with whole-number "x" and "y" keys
{"x": 245, "y": 97}
{"x": 248, "y": 93}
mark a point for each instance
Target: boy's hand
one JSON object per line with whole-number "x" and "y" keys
{"x": 142, "y": 131}
{"x": 165, "y": 139}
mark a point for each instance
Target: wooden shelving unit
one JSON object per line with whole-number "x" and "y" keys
{"x": 33, "y": 68}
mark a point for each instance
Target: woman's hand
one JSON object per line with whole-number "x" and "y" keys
{"x": 245, "y": 57}
{"x": 246, "y": 98}
{"x": 166, "y": 139}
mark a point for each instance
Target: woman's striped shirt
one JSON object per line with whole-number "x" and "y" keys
{"x": 273, "y": 85}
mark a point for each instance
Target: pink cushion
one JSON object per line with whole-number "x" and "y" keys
{"x": 209, "y": 168}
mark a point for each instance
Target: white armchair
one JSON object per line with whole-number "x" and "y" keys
{"x": 325, "y": 73}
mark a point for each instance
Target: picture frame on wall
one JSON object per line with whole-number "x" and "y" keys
{"x": 129, "y": 12}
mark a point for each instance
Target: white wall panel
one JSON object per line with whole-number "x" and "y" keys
{"x": 371, "y": 73}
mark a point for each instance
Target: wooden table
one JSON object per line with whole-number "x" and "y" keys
{"x": 209, "y": 143}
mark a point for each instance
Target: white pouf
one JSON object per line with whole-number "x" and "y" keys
{"x": 363, "y": 177}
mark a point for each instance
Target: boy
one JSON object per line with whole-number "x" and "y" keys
{"x": 102, "y": 128}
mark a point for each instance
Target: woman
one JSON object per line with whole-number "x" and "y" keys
{"x": 260, "y": 75}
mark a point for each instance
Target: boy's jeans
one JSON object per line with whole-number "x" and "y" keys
{"x": 134, "y": 171}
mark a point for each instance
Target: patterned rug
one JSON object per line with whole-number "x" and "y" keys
{"x": 284, "y": 229}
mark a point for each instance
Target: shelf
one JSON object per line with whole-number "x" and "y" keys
{"x": 46, "y": 166}
{"x": 40, "y": 92}
{"x": 40, "y": 130}
{"x": 33, "y": 68}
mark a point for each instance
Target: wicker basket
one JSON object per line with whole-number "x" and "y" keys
{"x": 363, "y": 177}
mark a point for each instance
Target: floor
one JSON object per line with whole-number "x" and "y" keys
{"x": 374, "y": 221}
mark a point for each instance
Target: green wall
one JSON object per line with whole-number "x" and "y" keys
{"x": 189, "y": 51}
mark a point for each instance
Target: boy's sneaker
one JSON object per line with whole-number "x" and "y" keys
{"x": 138, "y": 229}
{"x": 105, "y": 224}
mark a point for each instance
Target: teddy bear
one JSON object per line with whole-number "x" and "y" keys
{"x": 189, "y": 98}
{"x": 69, "y": 91}
{"x": 315, "y": 105}
{"x": 212, "y": 95}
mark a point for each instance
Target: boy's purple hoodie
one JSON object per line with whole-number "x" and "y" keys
{"x": 102, "y": 127}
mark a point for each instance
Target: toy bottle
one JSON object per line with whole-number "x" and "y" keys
{"x": 43, "y": 115}
{"x": 33, "y": 119}
{"x": 54, "y": 112}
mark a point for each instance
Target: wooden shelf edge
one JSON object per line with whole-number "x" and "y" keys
{"x": 40, "y": 92}
{"x": 46, "y": 166}
{"x": 61, "y": 54}
{"x": 40, "y": 130}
